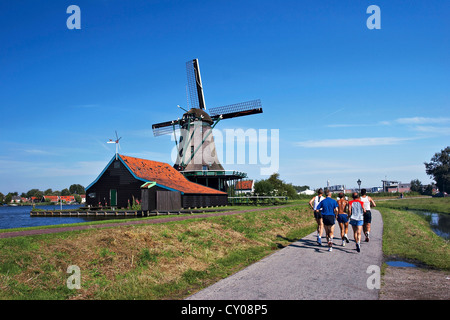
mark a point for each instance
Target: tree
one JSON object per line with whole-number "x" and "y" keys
{"x": 77, "y": 198}
{"x": 34, "y": 193}
{"x": 416, "y": 185}
{"x": 301, "y": 188}
{"x": 263, "y": 187}
{"x": 276, "y": 182}
{"x": 48, "y": 192}
{"x": 65, "y": 192}
{"x": 2, "y": 197}
{"x": 77, "y": 189}
{"x": 439, "y": 169}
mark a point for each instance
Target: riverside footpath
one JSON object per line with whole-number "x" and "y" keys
{"x": 306, "y": 271}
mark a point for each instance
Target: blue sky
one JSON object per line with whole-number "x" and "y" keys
{"x": 349, "y": 103}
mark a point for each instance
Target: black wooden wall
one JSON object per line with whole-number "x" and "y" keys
{"x": 204, "y": 200}
{"x": 116, "y": 176}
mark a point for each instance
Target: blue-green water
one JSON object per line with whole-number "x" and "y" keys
{"x": 400, "y": 264}
{"x": 19, "y": 217}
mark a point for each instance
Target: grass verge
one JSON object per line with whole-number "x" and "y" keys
{"x": 408, "y": 236}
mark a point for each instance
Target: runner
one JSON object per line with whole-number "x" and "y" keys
{"x": 356, "y": 210}
{"x": 329, "y": 209}
{"x": 368, "y": 201}
{"x": 313, "y": 203}
{"x": 343, "y": 218}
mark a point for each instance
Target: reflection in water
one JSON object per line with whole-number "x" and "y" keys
{"x": 440, "y": 223}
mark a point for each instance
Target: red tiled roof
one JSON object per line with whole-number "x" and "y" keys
{"x": 56, "y": 198}
{"x": 165, "y": 175}
{"x": 244, "y": 185}
{"x": 51, "y": 198}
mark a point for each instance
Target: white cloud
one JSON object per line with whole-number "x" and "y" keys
{"x": 38, "y": 152}
{"x": 433, "y": 129}
{"x": 422, "y": 120}
{"x": 352, "y": 142}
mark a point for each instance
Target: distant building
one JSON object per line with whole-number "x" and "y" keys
{"x": 16, "y": 199}
{"x": 395, "y": 186}
{"x": 56, "y": 199}
{"x": 336, "y": 188}
{"x": 307, "y": 192}
{"x": 245, "y": 186}
{"x": 404, "y": 187}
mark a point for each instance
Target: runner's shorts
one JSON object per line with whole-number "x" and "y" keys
{"x": 329, "y": 219}
{"x": 342, "y": 218}
{"x": 356, "y": 222}
{"x": 368, "y": 217}
{"x": 317, "y": 214}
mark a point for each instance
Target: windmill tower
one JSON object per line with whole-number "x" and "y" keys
{"x": 197, "y": 156}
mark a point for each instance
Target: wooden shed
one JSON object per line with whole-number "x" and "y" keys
{"x": 155, "y": 185}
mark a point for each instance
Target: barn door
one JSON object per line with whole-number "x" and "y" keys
{"x": 113, "y": 197}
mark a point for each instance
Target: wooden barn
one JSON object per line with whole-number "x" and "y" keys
{"x": 156, "y": 185}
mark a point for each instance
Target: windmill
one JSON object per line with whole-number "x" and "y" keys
{"x": 196, "y": 148}
{"x": 116, "y": 142}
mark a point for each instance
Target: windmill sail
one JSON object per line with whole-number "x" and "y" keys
{"x": 236, "y": 110}
{"x": 167, "y": 127}
{"x": 195, "y": 86}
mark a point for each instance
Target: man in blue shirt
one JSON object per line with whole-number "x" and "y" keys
{"x": 329, "y": 208}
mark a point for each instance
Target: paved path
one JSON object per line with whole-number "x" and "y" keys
{"x": 304, "y": 270}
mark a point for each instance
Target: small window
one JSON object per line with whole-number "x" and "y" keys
{"x": 204, "y": 168}
{"x": 92, "y": 195}
{"x": 116, "y": 164}
{"x": 192, "y": 149}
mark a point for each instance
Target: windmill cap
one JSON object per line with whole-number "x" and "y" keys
{"x": 200, "y": 114}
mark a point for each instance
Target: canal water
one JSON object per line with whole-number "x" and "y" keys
{"x": 19, "y": 217}
{"x": 439, "y": 222}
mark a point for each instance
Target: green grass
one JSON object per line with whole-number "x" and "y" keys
{"x": 408, "y": 236}
{"x": 439, "y": 205}
{"x": 154, "y": 261}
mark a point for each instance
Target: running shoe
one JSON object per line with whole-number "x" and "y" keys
{"x": 367, "y": 237}
{"x": 319, "y": 240}
{"x": 358, "y": 248}
{"x": 346, "y": 238}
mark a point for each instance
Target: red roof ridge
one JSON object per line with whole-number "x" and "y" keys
{"x": 164, "y": 174}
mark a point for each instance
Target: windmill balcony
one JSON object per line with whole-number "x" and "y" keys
{"x": 236, "y": 174}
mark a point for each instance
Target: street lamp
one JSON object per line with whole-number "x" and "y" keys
{"x": 359, "y": 185}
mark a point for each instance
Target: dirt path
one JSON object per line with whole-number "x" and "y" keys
{"x": 404, "y": 283}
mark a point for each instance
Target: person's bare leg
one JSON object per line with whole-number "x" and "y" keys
{"x": 366, "y": 230}
{"x": 357, "y": 235}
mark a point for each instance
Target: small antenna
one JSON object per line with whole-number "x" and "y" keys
{"x": 117, "y": 144}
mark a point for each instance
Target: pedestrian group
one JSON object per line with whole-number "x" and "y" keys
{"x": 355, "y": 212}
